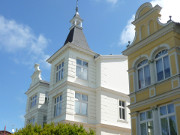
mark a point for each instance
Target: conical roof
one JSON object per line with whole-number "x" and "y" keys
{"x": 77, "y": 37}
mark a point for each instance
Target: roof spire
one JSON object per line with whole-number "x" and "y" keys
{"x": 77, "y": 7}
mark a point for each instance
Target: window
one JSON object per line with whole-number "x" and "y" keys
{"x": 57, "y": 106}
{"x": 59, "y": 72}
{"x": 162, "y": 65}
{"x": 31, "y": 121}
{"x": 144, "y": 78}
{"x": 122, "y": 110}
{"x": 81, "y": 69}
{"x": 33, "y": 101}
{"x": 81, "y": 104}
{"x": 168, "y": 120}
{"x": 146, "y": 123}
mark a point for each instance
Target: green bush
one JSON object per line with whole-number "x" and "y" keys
{"x": 52, "y": 129}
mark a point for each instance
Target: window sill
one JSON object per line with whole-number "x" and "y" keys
{"x": 123, "y": 121}
{"x": 76, "y": 114}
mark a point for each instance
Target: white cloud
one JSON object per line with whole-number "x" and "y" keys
{"x": 127, "y": 33}
{"x": 19, "y": 40}
{"x": 169, "y": 7}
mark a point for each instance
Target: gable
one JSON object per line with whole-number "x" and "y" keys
{"x": 146, "y": 21}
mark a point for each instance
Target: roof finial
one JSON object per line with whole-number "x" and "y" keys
{"x": 77, "y": 6}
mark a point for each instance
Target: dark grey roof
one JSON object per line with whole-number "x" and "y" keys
{"x": 76, "y": 36}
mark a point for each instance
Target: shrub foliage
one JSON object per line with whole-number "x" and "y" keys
{"x": 52, "y": 129}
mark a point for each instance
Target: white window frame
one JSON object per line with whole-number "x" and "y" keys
{"x": 33, "y": 101}
{"x": 82, "y": 69}
{"x": 81, "y": 101}
{"x": 59, "y": 71}
{"x": 122, "y": 107}
{"x": 162, "y": 57}
{"x": 167, "y": 116}
{"x": 57, "y": 105}
{"x": 143, "y": 68}
{"x": 145, "y": 121}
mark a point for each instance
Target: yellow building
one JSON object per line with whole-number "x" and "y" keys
{"x": 154, "y": 74}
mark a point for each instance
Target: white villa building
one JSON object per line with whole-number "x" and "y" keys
{"x": 85, "y": 88}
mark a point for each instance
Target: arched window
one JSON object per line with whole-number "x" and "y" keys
{"x": 162, "y": 65}
{"x": 144, "y": 78}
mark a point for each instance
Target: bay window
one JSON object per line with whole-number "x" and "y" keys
{"x": 144, "y": 78}
{"x": 162, "y": 65}
{"x": 81, "y": 104}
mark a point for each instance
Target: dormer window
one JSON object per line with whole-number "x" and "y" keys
{"x": 60, "y": 71}
{"x": 81, "y": 69}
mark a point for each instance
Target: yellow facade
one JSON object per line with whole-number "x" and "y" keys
{"x": 154, "y": 74}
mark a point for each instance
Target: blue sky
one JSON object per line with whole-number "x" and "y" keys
{"x": 31, "y": 31}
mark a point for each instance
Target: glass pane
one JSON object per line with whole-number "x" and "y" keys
{"x": 142, "y": 63}
{"x": 84, "y": 74}
{"x": 120, "y": 113}
{"x": 78, "y": 96}
{"x": 150, "y": 128}
{"x": 163, "y": 110}
{"x": 60, "y": 108}
{"x": 119, "y": 103}
{"x": 123, "y": 114}
{"x": 123, "y": 104}
{"x": 78, "y": 71}
{"x": 140, "y": 78}
{"x": 172, "y": 123}
{"x": 149, "y": 114}
{"x": 170, "y": 108}
{"x": 60, "y": 97}
{"x": 62, "y": 64}
{"x": 164, "y": 127}
{"x": 77, "y": 107}
{"x": 166, "y": 67}
{"x": 59, "y": 66}
{"x": 143, "y": 129}
{"x": 57, "y": 99}
{"x": 84, "y": 109}
{"x": 85, "y": 64}
{"x": 56, "y": 76}
{"x": 147, "y": 75}
{"x": 57, "y": 109}
{"x": 62, "y": 73}
{"x": 85, "y": 97}
{"x": 142, "y": 116}
{"x": 59, "y": 75}
{"x": 159, "y": 69}
{"x": 78, "y": 62}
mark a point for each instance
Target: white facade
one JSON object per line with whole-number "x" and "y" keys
{"x": 92, "y": 101}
